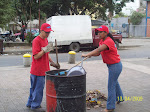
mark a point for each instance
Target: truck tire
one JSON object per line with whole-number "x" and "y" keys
{"x": 74, "y": 47}
{"x": 13, "y": 38}
{"x": 117, "y": 44}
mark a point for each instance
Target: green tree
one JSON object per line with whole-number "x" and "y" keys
{"x": 121, "y": 14}
{"x": 29, "y": 37}
{"x": 22, "y": 8}
{"x": 6, "y": 12}
{"x": 136, "y": 18}
{"x": 48, "y": 8}
{"x": 82, "y": 7}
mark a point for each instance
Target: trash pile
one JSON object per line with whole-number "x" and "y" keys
{"x": 95, "y": 99}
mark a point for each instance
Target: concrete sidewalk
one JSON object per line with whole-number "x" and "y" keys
{"x": 134, "y": 81}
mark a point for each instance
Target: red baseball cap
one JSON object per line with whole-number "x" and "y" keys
{"x": 46, "y": 27}
{"x": 103, "y": 28}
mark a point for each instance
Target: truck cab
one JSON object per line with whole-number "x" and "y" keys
{"x": 117, "y": 37}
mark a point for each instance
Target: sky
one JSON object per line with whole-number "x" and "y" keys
{"x": 131, "y": 6}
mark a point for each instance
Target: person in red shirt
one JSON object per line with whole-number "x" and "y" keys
{"x": 110, "y": 56}
{"x": 40, "y": 64}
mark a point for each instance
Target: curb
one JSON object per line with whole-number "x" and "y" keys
{"x": 120, "y": 47}
{"x": 18, "y": 52}
{"x": 12, "y": 44}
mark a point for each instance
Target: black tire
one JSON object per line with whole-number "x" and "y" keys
{"x": 13, "y": 38}
{"x": 74, "y": 47}
{"x": 7, "y": 39}
{"x": 117, "y": 44}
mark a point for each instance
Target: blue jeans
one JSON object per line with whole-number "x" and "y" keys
{"x": 36, "y": 91}
{"x": 114, "y": 90}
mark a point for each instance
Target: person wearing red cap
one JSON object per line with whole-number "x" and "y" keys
{"x": 40, "y": 64}
{"x": 110, "y": 56}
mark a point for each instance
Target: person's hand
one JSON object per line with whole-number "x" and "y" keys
{"x": 85, "y": 55}
{"x": 56, "y": 65}
{"x": 48, "y": 48}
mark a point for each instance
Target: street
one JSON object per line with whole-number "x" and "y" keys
{"x": 140, "y": 51}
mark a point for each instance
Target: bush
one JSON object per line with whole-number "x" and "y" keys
{"x": 136, "y": 18}
{"x": 29, "y": 37}
{"x": 120, "y": 15}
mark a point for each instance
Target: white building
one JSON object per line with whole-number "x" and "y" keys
{"x": 133, "y": 6}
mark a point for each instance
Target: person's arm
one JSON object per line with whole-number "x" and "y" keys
{"x": 39, "y": 55}
{"x": 44, "y": 50}
{"x": 56, "y": 65}
{"x": 96, "y": 52}
{"x": 50, "y": 59}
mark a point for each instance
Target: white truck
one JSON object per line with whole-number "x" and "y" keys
{"x": 71, "y": 32}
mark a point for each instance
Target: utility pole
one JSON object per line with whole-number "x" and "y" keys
{"x": 129, "y": 28}
{"x": 39, "y": 16}
{"x": 30, "y": 14}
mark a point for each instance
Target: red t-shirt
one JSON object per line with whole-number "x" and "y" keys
{"x": 41, "y": 65}
{"x": 110, "y": 56}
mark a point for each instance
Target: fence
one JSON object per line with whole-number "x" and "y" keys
{"x": 121, "y": 24}
{"x": 130, "y": 30}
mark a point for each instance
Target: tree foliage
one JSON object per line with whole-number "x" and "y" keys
{"x": 120, "y": 15}
{"x": 136, "y": 18}
{"x": 22, "y": 8}
{"x": 96, "y": 8}
{"x": 29, "y": 37}
{"x": 82, "y": 7}
{"x": 6, "y": 12}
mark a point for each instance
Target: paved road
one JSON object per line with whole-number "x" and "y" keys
{"x": 130, "y": 48}
{"x": 132, "y": 52}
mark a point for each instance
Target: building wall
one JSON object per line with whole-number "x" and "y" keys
{"x": 148, "y": 19}
{"x": 143, "y": 3}
{"x": 148, "y": 9}
{"x": 134, "y": 30}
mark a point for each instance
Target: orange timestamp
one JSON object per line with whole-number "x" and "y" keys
{"x": 130, "y": 98}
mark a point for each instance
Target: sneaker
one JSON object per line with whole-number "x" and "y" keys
{"x": 28, "y": 106}
{"x": 118, "y": 102}
{"x": 36, "y": 107}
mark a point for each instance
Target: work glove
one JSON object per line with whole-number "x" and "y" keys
{"x": 48, "y": 48}
{"x": 56, "y": 65}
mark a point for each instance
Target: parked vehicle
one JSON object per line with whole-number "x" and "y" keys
{"x": 7, "y": 37}
{"x": 74, "y": 32}
{"x": 117, "y": 37}
{"x": 71, "y": 31}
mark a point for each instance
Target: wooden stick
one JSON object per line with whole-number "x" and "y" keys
{"x": 81, "y": 61}
{"x": 56, "y": 50}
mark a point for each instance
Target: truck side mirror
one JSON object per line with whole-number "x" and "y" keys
{"x": 96, "y": 32}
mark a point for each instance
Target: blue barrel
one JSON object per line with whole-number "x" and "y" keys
{"x": 65, "y": 93}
